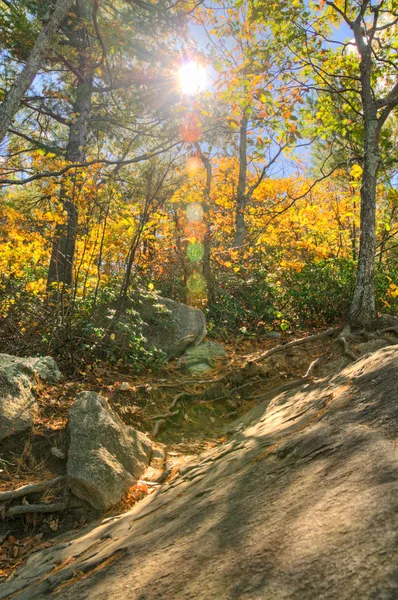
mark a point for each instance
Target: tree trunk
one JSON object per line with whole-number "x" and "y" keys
{"x": 362, "y": 309}
{"x": 240, "y": 224}
{"x": 22, "y": 83}
{"x": 64, "y": 243}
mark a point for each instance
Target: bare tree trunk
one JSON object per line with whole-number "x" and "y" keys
{"x": 240, "y": 224}
{"x": 22, "y": 83}
{"x": 64, "y": 243}
{"x": 362, "y": 309}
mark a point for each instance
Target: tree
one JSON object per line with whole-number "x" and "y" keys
{"x": 23, "y": 81}
{"x": 372, "y": 79}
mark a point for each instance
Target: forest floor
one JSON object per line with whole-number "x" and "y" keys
{"x": 204, "y": 405}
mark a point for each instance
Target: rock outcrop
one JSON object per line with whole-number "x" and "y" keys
{"x": 105, "y": 457}
{"x": 171, "y": 326}
{"x": 18, "y": 405}
{"x": 300, "y": 504}
{"x": 202, "y": 358}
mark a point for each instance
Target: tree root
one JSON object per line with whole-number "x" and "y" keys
{"x": 157, "y": 427}
{"x": 304, "y": 340}
{"x": 166, "y": 415}
{"x": 32, "y": 488}
{"x": 24, "y": 509}
{"x": 346, "y": 349}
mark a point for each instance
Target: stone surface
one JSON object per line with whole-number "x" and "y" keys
{"x": 172, "y": 326}
{"x": 272, "y": 335}
{"x": 202, "y": 358}
{"x": 300, "y": 504}
{"x": 105, "y": 457}
{"x": 18, "y": 405}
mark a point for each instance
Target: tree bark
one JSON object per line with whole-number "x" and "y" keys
{"x": 22, "y": 83}
{"x": 362, "y": 309}
{"x": 240, "y": 224}
{"x": 64, "y": 243}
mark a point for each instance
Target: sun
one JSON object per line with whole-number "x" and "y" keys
{"x": 193, "y": 78}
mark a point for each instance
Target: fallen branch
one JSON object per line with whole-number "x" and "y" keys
{"x": 31, "y": 488}
{"x": 304, "y": 340}
{"x": 25, "y": 509}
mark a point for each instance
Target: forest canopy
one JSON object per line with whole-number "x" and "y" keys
{"x": 237, "y": 156}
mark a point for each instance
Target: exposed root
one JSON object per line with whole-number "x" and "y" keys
{"x": 32, "y": 488}
{"x": 316, "y": 362}
{"x": 157, "y": 427}
{"x": 24, "y": 509}
{"x": 304, "y": 340}
{"x": 346, "y": 349}
{"x": 388, "y": 330}
{"x": 164, "y": 415}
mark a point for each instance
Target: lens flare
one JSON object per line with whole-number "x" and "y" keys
{"x": 193, "y": 166}
{"x": 196, "y": 283}
{"x": 193, "y": 78}
{"x": 194, "y": 212}
{"x": 195, "y": 251}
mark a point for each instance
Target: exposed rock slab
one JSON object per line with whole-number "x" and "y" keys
{"x": 202, "y": 358}
{"x": 300, "y": 504}
{"x": 105, "y": 456}
{"x": 18, "y": 405}
{"x": 172, "y": 326}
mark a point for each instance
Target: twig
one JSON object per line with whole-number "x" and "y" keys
{"x": 32, "y": 488}
{"x": 304, "y": 340}
{"x": 25, "y": 509}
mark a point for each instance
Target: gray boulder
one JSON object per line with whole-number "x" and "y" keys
{"x": 171, "y": 326}
{"x": 18, "y": 405}
{"x": 201, "y": 358}
{"x": 105, "y": 457}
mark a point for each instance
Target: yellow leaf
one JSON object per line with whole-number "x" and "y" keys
{"x": 356, "y": 171}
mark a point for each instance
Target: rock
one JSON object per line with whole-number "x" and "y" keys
{"x": 171, "y": 326}
{"x": 374, "y": 345}
{"x": 18, "y": 405}
{"x": 299, "y": 505}
{"x": 272, "y": 335}
{"x": 201, "y": 358}
{"x": 105, "y": 456}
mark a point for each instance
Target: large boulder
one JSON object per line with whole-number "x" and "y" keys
{"x": 105, "y": 456}
{"x": 171, "y": 326}
{"x": 202, "y": 358}
{"x": 18, "y": 405}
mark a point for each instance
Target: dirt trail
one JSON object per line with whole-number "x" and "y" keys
{"x": 301, "y": 503}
